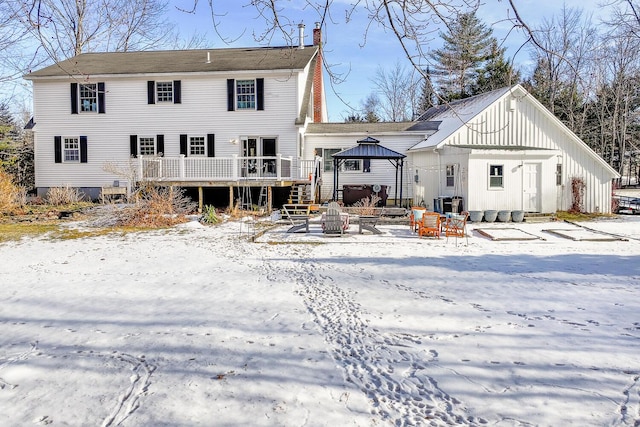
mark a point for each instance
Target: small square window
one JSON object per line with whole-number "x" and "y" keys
{"x": 196, "y": 146}
{"x": 495, "y": 176}
{"x": 71, "y": 150}
{"x": 164, "y": 91}
{"x": 147, "y": 146}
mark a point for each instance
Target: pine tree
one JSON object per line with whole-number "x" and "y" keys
{"x": 467, "y": 46}
{"x": 497, "y": 72}
{"x": 428, "y": 97}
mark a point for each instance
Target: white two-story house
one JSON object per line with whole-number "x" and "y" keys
{"x": 220, "y": 122}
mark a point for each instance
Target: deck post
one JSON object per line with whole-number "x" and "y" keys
{"x": 234, "y": 171}
{"x": 200, "y": 199}
{"x": 269, "y": 199}
{"x": 231, "y": 197}
{"x": 278, "y": 166}
{"x": 141, "y": 178}
{"x": 181, "y": 167}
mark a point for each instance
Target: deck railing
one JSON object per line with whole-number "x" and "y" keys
{"x": 235, "y": 168}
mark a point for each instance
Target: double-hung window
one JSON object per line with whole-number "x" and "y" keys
{"x": 164, "y": 91}
{"x": 88, "y": 97}
{"x": 147, "y": 146}
{"x": 246, "y": 94}
{"x": 450, "y": 174}
{"x": 197, "y": 146}
{"x": 496, "y": 177}
{"x": 71, "y": 150}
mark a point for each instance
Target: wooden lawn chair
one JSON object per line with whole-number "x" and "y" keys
{"x": 416, "y": 216}
{"x": 430, "y": 225}
{"x": 456, "y": 226}
{"x": 333, "y": 223}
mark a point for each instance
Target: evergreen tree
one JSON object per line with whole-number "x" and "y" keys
{"x": 497, "y": 72}
{"x": 467, "y": 46}
{"x": 428, "y": 97}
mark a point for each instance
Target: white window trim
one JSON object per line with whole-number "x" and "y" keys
{"x": 489, "y": 176}
{"x": 237, "y": 95}
{"x": 94, "y": 98}
{"x": 155, "y": 145}
{"x": 204, "y": 145}
{"x": 65, "y": 149}
{"x": 157, "y": 92}
{"x": 452, "y": 176}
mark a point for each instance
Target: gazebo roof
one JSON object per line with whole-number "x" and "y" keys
{"x": 368, "y": 148}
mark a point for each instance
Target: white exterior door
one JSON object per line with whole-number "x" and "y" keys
{"x": 531, "y": 187}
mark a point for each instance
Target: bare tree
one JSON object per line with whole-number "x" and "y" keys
{"x": 398, "y": 93}
{"x": 64, "y": 28}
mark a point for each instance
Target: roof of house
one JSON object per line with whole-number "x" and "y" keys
{"x": 181, "y": 61}
{"x": 455, "y": 114}
{"x": 363, "y": 128}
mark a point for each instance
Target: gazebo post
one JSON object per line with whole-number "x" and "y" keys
{"x": 401, "y": 173}
{"x": 335, "y": 179}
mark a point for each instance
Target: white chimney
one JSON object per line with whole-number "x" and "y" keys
{"x": 301, "y": 35}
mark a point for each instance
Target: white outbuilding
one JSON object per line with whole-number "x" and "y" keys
{"x": 503, "y": 150}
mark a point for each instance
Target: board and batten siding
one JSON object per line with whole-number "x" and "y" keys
{"x": 517, "y": 119}
{"x": 202, "y": 111}
{"x": 382, "y": 171}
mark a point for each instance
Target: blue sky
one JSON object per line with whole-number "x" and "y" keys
{"x": 348, "y": 51}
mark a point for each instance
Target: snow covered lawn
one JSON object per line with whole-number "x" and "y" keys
{"x": 200, "y": 326}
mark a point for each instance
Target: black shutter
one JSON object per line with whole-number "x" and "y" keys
{"x": 211, "y": 145}
{"x": 74, "y": 98}
{"x": 83, "y": 149}
{"x": 151, "y": 92}
{"x": 133, "y": 145}
{"x": 231, "y": 83}
{"x": 183, "y": 144}
{"x": 101, "y": 94}
{"x": 260, "y": 94}
{"x": 57, "y": 149}
{"x": 160, "y": 145}
{"x": 177, "y": 92}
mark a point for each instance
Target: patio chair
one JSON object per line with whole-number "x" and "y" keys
{"x": 456, "y": 226}
{"x": 416, "y": 216}
{"x": 430, "y": 225}
{"x": 333, "y": 222}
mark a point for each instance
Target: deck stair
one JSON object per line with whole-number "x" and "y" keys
{"x": 300, "y": 194}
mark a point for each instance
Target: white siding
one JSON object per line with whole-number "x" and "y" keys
{"x": 203, "y": 110}
{"x": 382, "y": 171}
{"x": 530, "y": 125}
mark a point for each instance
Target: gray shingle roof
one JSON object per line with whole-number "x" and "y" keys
{"x": 360, "y": 128}
{"x": 181, "y": 61}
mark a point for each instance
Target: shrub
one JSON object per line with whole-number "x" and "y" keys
{"x": 10, "y": 194}
{"x": 577, "y": 195}
{"x": 60, "y": 196}
{"x": 156, "y": 207}
{"x": 209, "y": 215}
{"x": 367, "y": 205}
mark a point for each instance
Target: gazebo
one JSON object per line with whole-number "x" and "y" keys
{"x": 368, "y": 148}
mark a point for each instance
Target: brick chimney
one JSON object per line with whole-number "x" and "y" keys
{"x": 318, "y": 89}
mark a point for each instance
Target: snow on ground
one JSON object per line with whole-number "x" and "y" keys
{"x": 200, "y": 326}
